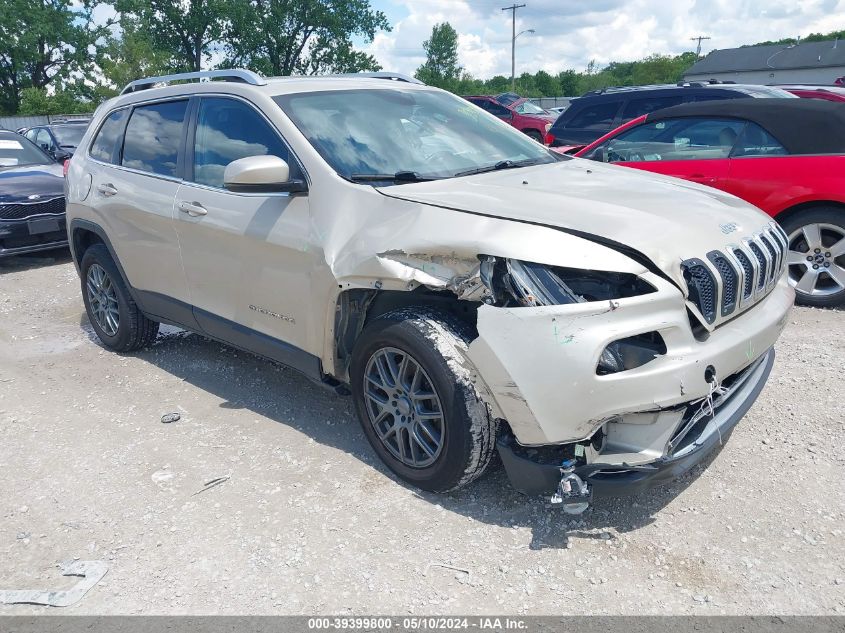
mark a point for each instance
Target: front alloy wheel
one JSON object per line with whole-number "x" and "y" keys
{"x": 403, "y": 407}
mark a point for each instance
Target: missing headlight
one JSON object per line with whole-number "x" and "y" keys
{"x": 630, "y": 353}
{"x": 518, "y": 283}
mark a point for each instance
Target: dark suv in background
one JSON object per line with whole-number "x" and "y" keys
{"x": 598, "y": 112}
{"x": 59, "y": 140}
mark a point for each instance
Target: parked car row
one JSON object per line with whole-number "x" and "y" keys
{"x": 785, "y": 157}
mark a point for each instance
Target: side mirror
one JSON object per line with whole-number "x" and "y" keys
{"x": 261, "y": 174}
{"x": 61, "y": 155}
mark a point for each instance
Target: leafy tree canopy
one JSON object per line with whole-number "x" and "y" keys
{"x": 292, "y": 37}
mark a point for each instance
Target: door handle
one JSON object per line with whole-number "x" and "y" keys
{"x": 107, "y": 189}
{"x": 193, "y": 209}
{"x": 702, "y": 178}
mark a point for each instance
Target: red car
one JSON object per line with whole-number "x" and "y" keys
{"x": 825, "y": 93}
{"x": 521, "y": 113}
{"x": 787, "y": 157}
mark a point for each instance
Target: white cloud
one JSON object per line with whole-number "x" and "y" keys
{"x": 570, "y": 33}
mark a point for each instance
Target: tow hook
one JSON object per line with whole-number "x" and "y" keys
{"x": 573, "y": 494}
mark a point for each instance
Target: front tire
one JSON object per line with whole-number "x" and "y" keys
{"x": 816, "y": 256}
{"x": 416, "y": 402}
{"x": 114, "y": 315}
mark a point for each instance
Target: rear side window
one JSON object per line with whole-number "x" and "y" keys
{"x": 755, "y": 141}
{"x": 595, "y": 117}
{"x": 153, "y": 136}
{"x": 228, "y": 130}
{"x": 107, "y": 141}
{"x": 639, "y": 107}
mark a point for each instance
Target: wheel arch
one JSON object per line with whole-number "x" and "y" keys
{"x": 356, "y": 308}
{"x": 796, "y": 209}
{"x": 84, "y": 234}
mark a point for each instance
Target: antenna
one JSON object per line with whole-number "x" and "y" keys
{"x": 698, "y": 48}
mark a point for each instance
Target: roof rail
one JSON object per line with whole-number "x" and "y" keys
{"x": 238, "y": 75}
{"x": 383, "y": 75}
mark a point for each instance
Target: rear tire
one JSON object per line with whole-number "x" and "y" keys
{"x": 416, "y": 402}
{"x": 113, "y": 313}
{"x": 817, "y": 233}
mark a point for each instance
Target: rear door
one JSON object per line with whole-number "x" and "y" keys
{"x": 134, "y": 179}
{"x": 248, "y": 257}
{"x": 693, "y": 148}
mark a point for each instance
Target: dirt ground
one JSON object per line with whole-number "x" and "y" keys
{"x": 311, "y": 522}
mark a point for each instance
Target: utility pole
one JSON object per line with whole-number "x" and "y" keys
{"x": 698, "y": 49}
{"x": 513, "y": 9}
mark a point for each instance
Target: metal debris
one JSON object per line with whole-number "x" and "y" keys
{"x": 167, "y": 418}
{"x": 91, "y": 571}
{"x": 445, "y": 566}
{"x": 212, "y": 483}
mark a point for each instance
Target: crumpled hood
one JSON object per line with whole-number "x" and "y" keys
{"x": 665, "y": 219}
{"x": 18, "y": 183}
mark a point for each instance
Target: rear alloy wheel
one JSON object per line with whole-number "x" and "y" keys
{"x": 816, "y": 257}
{"x": 114, "y": 315}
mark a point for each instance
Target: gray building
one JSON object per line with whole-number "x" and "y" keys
{"x": 803, "y": 63}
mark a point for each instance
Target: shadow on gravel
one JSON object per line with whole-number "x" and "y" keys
{"x": 244, "y": 381}
{"x": 19, "y": 263}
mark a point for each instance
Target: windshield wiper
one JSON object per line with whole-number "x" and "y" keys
{"x": 502, "y": 164}
{"x": 399, "y": 176}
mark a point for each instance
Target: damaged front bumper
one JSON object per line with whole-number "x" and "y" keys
{"x": 538, "y": 471}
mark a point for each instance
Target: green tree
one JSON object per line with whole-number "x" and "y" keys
{"x": 569, "y": 83}
{"x": 188, "y": 30}
{"x": 441, "y": 67}
{"x": 37, "y": 101}
{"x": 128, "y": 56}
{"x": 287, "y": 37}
{"x": 43, "y": 43}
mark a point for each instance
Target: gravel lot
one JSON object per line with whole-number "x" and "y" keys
{"x": 310, "y": 521}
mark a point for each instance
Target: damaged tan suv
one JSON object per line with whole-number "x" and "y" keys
{"x": 603, "y": 328}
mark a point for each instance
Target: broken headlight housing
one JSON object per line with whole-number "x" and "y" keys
{"x": 515, "y": 283}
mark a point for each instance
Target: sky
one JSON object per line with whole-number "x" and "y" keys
{"x": 571, "y": 33}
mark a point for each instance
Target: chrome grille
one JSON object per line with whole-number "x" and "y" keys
{"x": 737, "y": 277}
{"x": 21, "y": 210}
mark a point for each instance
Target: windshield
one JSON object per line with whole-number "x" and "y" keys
{"x": 16, "y": 150}
{"x": 421, "y": 134}
{"x": 527, "y": 107}
{"x": 70, "y": 135}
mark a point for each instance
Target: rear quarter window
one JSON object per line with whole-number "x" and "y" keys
{"x": 107, "y": 142}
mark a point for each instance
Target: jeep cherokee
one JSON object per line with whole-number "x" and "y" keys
{"x": 470, "y": 288}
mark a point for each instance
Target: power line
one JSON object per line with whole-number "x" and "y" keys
{"x": 513, "y": 9}
{"x": 698, "y": 49}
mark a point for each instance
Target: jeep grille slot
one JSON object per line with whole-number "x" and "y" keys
{"x": 730, "y": 281}
{"x": 702, "y": 287}
{"x": 761, "y": 259}
{"x": 747, "y": 273}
